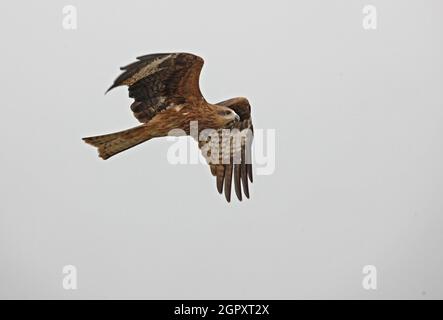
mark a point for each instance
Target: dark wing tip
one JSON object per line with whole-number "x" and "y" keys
{"x": 244, "y": 179}
{"x": 249, "y": 169}
{"x": 237, "y": 183}
{"x": 228, "y": 181}
{"x": 114, "y": 85}
{"x": 220, "y": 179}
{"x": 152, "y": 56}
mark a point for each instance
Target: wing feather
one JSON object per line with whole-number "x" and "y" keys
{"x": 159, "y": 81}
{"x": 228, "y": 181}
{"x": 224, "y": 169}
{"x": 220, "y": 174}
{"x": 237, "y": 184}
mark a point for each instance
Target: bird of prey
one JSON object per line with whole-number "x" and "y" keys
{"x": 166, "y": 93}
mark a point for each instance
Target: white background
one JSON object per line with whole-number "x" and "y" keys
{"x": 359, "y": 152}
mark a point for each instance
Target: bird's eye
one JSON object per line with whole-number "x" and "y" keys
{"x": 224, "y": 112}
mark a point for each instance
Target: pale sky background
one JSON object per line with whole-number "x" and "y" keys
{"x": 358, "y": 116}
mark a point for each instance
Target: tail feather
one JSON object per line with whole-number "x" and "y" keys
{"x": 113, "y": 143}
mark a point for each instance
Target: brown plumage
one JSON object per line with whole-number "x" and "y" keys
{"x": 167, "y": 96}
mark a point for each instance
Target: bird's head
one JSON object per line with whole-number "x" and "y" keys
{"x": 233, "y": 110}
{"x": 240, "y": 106}
{"x": 226, "y": 116}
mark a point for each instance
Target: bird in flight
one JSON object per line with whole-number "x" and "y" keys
{"x": 166, "y": 93}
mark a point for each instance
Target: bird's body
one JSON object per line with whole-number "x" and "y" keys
{"x": 167, "y": 97}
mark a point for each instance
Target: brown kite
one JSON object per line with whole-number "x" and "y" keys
{"x": 167, "y": 97}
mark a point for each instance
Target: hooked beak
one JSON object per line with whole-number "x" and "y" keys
{"x": 237, "y": 118}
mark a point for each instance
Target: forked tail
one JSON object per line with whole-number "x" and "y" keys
{"x": 113, "y": 143}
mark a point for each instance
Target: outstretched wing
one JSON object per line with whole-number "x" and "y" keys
{"x": 232, "y": 159}
{"x": 159, "y": 81}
